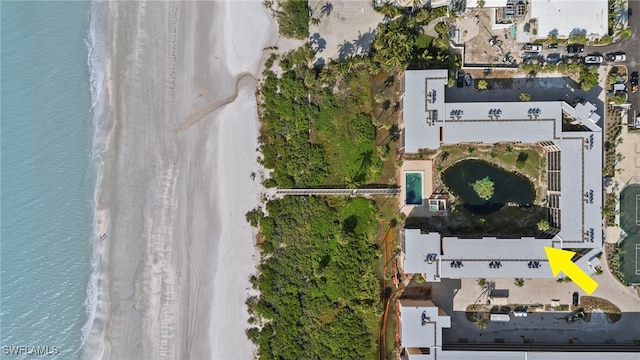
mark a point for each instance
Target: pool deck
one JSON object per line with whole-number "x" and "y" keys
{"x": 426, "y": 168}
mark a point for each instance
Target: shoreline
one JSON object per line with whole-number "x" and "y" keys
{"x": 174, "y": 268}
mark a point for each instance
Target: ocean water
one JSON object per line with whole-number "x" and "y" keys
{"x": 47, "y": 177}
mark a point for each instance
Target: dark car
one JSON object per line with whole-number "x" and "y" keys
{"x": 634, "y": 81}
{"x": 460, "y": 80}
{"x": 576, "y": 48}
{"x": 553, "y": 58}
{"x": 467, "y": 79}
{"x": 576, "y": 298}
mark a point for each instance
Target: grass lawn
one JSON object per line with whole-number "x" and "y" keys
{"x": 423, "y": 41}
{"x": 384, "y": 104}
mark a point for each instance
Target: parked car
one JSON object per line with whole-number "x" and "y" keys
{"x": 617, "y": 87}
{"x": 576, "y": 298}
{"x": 617, "y": 56}
{"x": 576, "y": 48}
{"x": 578, "y": 314}
{"x": 467, "y": 79}
{"x": 553, "y": 58}
{"x": 532, "y": 48}
{"x": 460, "y": 80}
{"x": 593, "y": 59}
{"x": 552, "y": 46}
{"x": 634, "y": 81}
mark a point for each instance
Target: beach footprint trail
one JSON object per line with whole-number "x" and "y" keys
{"x": 195, "y": 117}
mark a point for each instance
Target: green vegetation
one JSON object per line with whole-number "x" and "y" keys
{"x": 482, "y": 84}
{"x": 482, "y": 282}
{"x": 484, "y": 188}
{"x": 543, "y": 225}
{"x": 423, "y": 41}
{"x": 317, "y": 128}
{"x": 318, "y": 291}
{"x": 588, "y": 77}
{"x": 332, "y": 124}
{"x": 388, "y": 9}
{"x": 477, "y": 315}
{"x": 615, "y": 259}
{"x": 616, "y": 76}
{"x": 612, "y": 140}
{"x": 519, "y": 282}
{"x": 400, "y": 44}
{"x": 525, "y": 96}
{"x": 578, "y": 38}
{"x": 293, "y": 18}
{"x": 619, "y": 98}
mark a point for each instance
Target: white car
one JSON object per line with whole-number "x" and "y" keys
{"x": 532, "y": 48}
{"x": 593, "y": 59}
{"x": 617, "y": 56}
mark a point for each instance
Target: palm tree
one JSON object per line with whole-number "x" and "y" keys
{"x": 389, "y": 10}
{"x": 351, "y": 182}
{"x": 416, "y": 4}
{"x": 625, "y": 33}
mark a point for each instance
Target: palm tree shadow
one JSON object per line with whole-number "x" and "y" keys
{"x": 345, "y": 50}
{"x": 363, "y": 42}
{"x": 326, "y": 9}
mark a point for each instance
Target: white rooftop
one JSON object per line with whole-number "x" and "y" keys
{"x": 431, "y": 121}
{"x": 421, "y": 326}
{"x": 563, "y": 17}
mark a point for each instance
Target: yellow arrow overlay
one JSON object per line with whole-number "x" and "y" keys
{"x": 560, "y": 260}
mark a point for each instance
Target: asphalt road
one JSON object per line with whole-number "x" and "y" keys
{"x": 630, "y": 46}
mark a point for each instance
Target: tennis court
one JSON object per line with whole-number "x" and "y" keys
{"x": 630, "y": 223}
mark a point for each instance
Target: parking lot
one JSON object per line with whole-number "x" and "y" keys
{"x": 453, "y": 296}
{"x": 546, "y": 328}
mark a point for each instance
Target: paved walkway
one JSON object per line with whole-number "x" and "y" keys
{"x": 336, "y": 192}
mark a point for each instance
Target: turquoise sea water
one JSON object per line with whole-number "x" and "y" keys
{"x": 47, "y": 175}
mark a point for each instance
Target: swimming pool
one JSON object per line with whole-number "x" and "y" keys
{"x": 413, "y": 188}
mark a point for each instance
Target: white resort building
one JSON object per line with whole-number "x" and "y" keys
{"x": 573, "y": 198}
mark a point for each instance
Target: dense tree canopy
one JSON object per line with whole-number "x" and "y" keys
{"x": 293, "y": 18}
{"x": 319, "y": 294}
{"x": 316, "y": 126}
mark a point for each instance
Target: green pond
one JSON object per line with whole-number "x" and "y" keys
{"x": 508, "y": 187}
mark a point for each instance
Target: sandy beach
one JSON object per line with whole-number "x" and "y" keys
{"x": 177, "y": 180}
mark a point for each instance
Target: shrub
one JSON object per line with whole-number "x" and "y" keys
{"x": 484, "y": 188}
{"x": 543, "y": 225}
{"x": 293, "y": 19}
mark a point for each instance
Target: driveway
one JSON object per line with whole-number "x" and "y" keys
{"x": 630, "y": 46}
